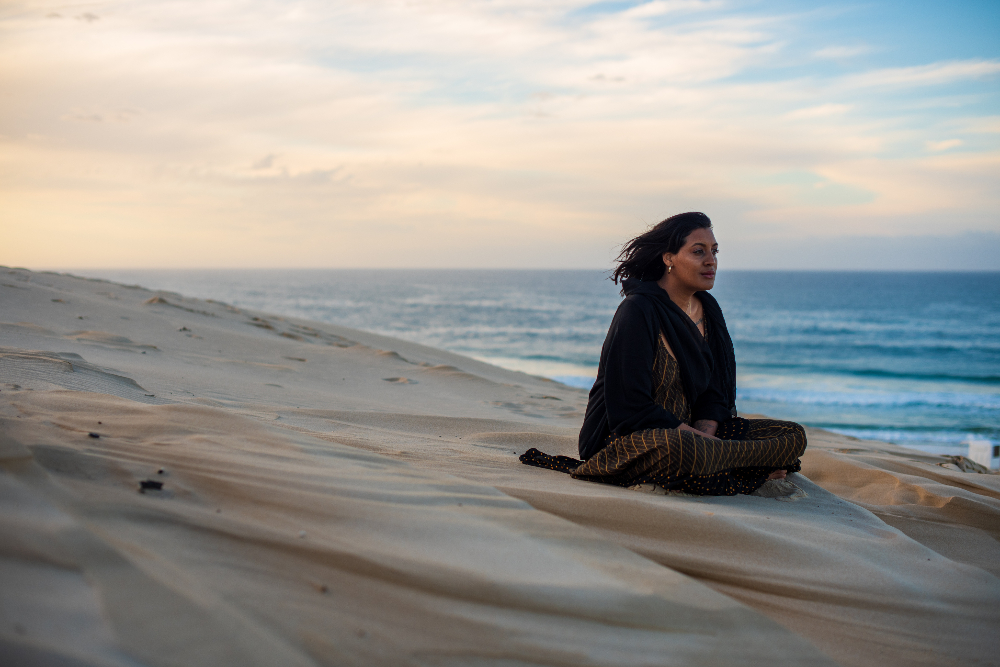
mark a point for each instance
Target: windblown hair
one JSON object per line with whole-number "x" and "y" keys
{"x": 642, "y": 257}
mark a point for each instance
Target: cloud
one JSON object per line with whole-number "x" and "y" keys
{"x": 938, "y": 146}
{"x": 818, "y": 111}
{"x": 841, "y": 52}
{"x": 662, "y": 7}
{"x": 455, "y": 133}
{"x": 981, "y": 125}
{"x": 925, "y": 75}
{"x": 265, "y": 162}
{"x": 803, "y": 187}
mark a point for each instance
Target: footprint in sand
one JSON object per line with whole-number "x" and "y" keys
{"x": 108, "y": 340}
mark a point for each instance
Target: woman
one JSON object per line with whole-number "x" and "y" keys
{"x": 663, "y": 408}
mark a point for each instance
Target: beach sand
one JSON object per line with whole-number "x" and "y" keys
{"x": 318, "y": 495}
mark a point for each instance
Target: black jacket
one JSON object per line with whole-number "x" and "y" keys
{"x": 621, "y": 400}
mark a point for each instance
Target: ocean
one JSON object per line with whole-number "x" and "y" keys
{"x": 911, "y": 358}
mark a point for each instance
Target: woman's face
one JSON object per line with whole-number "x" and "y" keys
{"x": 695, "y": 263}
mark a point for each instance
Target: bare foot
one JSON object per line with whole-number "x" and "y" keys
{"x": 777, "y": 474}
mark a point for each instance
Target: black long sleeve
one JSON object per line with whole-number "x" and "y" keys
{"x": 628, "y": 374}
{"x": 622, "y": 399}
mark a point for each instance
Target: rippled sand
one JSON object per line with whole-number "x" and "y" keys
{"x": 188, "y": 483}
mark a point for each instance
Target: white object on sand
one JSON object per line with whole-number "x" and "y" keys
{"x": 984, "y": 453}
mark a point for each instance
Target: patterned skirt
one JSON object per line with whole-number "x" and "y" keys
{"x": 748, "y": 451}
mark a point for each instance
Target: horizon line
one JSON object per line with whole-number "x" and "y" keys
{"x": 69, "y": 271}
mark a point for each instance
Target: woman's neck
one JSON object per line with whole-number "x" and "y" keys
{"x": 679, "y": 294}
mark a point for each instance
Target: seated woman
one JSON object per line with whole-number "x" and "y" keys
{"x": 663, "y": 408}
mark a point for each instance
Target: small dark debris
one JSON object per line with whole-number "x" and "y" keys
{"x": 160, "y": 471}
{"x": 149, "y": 485}
{"x": 144, "y": 351}
{"x": 98, "y": 422}
{"x": 94, "y": 435}
{"x": 150, "y": 395}
{"x": 58, "y": 301}
{"x": 324, "y": 589}
{"x": 184, "y": 329}
{"x": 79, "y": 317}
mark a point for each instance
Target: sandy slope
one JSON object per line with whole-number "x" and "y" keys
{"x": 336, "y": 497}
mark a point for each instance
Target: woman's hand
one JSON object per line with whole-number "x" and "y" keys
{"x": 685, "y": 427}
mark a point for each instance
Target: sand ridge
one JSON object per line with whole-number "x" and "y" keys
{"x": 315, "y": 509}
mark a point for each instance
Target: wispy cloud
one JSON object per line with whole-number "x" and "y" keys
{"x": 926, "y": 75}
{"x": 938, "y": 146}
{"x": 841, "y": 52}
{"x": 819, "y": 111}
{"x": 423, "y": 133}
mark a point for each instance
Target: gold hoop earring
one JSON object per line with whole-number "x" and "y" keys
{"x": 670, "y": 268}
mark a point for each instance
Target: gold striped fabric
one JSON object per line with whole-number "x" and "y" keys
{"x": 665, "y": 455}
{"x": 669, "y": 393}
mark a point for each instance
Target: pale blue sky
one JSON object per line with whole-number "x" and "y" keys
{"x": 505, "y": 133}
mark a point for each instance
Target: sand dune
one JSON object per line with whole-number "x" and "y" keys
{"x": 187, "y": 483}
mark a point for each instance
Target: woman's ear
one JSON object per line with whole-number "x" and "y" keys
{"x": 668, "y": 258}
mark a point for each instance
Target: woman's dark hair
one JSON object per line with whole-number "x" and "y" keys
{"x": 642, "y": 257}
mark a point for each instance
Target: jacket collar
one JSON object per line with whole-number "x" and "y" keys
{"x": 632, "y": 286}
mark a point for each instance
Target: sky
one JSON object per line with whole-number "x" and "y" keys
{"x": 497, "y": 134}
